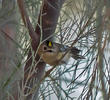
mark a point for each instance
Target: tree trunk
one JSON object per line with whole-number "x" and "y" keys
{"x": 48, "y": 18}
{"x": 8, "y": 51}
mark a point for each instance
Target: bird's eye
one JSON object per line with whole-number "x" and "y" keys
{"x": 45, "y": 48}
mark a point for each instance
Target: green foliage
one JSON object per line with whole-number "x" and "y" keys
{"x": 84, "y": 24}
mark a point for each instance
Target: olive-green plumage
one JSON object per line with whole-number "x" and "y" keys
{"x": 56, "y": 54}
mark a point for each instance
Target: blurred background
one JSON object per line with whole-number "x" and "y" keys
{"x": 84, "y": 24}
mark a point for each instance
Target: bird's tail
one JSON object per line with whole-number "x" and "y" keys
{"x": 75, "y": 53}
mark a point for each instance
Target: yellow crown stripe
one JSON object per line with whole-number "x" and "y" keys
{"x": 50, "y": 44}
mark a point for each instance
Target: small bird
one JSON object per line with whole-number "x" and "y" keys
{"x": 57, "y": 54}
